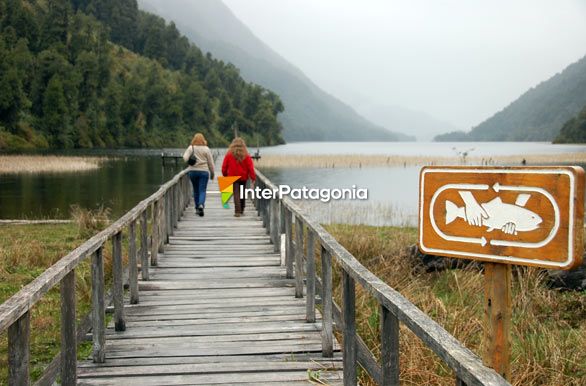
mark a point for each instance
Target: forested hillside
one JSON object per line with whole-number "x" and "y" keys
{"x": 311, "y": 114}
{"x": 574, "y": 131}
{"x": 538, "y": 114}
{"x": 101, "y": 73}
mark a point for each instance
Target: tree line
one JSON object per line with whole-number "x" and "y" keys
{"x": 102, "y": 73}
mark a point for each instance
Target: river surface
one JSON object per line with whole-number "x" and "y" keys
{"x": 134, "y": 174}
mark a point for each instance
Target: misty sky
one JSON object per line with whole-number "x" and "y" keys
{"x": 460, "y": 61}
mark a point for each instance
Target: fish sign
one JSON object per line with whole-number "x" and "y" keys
{"x": 526, "y": 216}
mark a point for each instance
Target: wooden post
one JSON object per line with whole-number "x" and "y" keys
{"x": 267, "y": 216}
{"x": 176, "y": 204}
{"x": 155, "y": 233}
{"x": 327, "y": 332}
{"x": 298, "y": 257}
{"x": 497, "y": 329}
{"x": 389, "y": 347}
{"x": 275, "y": 236}
{"x": 282, "y": 217}
{"x": 144, "y": 246}
{"x": 310, "y": 275}
{"x": 349, "y": 301}
{"x": 132, "y": 263}
{"x": 118, "y": 283}
{"x": 68, "y": 331}
{"x": 289, "y": 243}
{"x": 19, "y": 351}
{"x": 98, "y": 307}
{"x": 163, "y": 222}
{"x": 258, "y": 201}
{"x": 163, "y": 228}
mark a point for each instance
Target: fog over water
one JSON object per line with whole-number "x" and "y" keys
{"x": 460, "y": 61}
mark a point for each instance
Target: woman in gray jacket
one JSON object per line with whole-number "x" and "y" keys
{"x": 201, "y": 171}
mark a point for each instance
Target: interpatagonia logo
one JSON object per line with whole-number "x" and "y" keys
{"x": 227, "y": 188}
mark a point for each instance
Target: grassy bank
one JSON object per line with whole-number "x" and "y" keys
{"x": 16, "y": 164}
{"x": 25, "y": 252}
{"x": 549, "y": 327}
{"x": 363, "y": 160}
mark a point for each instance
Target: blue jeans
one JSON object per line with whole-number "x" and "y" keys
{"x": 199, "y": 180}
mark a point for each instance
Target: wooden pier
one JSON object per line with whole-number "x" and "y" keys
{"x": 218, "y": 300}
{"x": 217, "y": 309}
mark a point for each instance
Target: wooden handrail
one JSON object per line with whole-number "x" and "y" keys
{"x": 395, "y": 308}
{"x": 171, "y": 198}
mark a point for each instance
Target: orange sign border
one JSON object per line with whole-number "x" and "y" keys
{"x": 576, "y": 214}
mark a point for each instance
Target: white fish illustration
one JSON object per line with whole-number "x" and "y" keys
{"x": 507, "y": 217}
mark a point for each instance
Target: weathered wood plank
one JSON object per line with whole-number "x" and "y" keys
{"x": 68, "y": 331}
{"x": 326, "y": 295}
{"x": 349, "y": 309}
{"x": 155, "y": 222}
{"x": 310, "y": 275}
{"x": 268, "y": 378}
{"x": 389, "y": 348}
{"x": 207, "y": 368}
{"x": 19, "y": 351}
{"x": 279, "y": 357}
{"x": 118, "y": 283}
{"x": 132, "y": 263}
{"x": 289, "y": 254}
{"x": 98, "y": 308}
{"x": 123, "y": 344}
{"x": 298, "y": 258}
{"x": 275, "y": 234}
{"x": 144, "y": 247}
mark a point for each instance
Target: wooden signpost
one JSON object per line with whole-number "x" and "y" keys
{"x": 529, "y": 216}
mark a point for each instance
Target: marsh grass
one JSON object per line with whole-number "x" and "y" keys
{"x": 26, "y": 251}
{"x": 32, "y": 164}
{"x": 549, "y": 326}
{"x": 358, "y": 213}
{"x": 325, "y": 161}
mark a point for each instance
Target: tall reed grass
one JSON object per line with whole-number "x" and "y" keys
{"x": 31, "y": 164}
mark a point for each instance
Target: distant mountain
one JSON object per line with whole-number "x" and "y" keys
{"x": 417, "y": 123}
{"x": 574, "y": 131}
{"x": 538, "y": 114}
{"x": 310, "y": 113}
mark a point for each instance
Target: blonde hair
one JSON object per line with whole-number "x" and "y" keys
{"x": 238, "y": 149}
{"x": 199, "y": 140}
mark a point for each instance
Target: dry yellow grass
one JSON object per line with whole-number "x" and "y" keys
{"x": 31, "y": 164}
{"x": 548, "y": 329}
{"x": 361, "y": 160}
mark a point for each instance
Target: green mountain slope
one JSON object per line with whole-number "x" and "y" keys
{"x": 538, "y": 114}
{"x": 101, "y": 73}
{"x": 574, "y": 131}
{"x": 310, "y": 113}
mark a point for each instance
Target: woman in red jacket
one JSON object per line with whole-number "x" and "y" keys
{"x": 237, "y": 162}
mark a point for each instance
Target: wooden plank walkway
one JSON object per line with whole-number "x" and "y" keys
{"x": 218, "y": 309}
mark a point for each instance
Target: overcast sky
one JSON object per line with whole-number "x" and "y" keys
{"x": 460, "y": 61}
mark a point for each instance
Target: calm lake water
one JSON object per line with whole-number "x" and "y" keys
{"x": 134, "y": 174}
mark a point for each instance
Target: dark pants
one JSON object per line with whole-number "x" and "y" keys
{"x": 199, "y": 180}
{"x": 239, "y": 202}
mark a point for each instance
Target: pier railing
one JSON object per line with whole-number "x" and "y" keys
{"x": 163, "y": 210}
{"x": 277, "y": 216}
